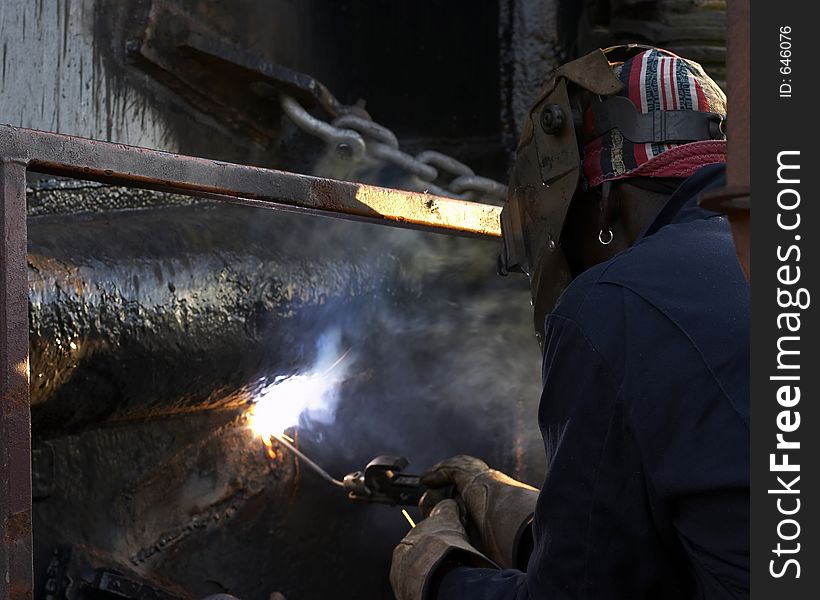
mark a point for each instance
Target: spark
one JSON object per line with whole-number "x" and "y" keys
{"x": 408, "y": 517}
{"x": 269, "y": 447}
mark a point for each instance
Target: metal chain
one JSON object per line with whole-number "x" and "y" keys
{"x": 474, "y": 183}
{"x": 368, "y": 128}
{"x": 360, "y": 139}
{"x": 345, "y": 142}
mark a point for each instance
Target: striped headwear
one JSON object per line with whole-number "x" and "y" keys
{"x": 655, "y": 80}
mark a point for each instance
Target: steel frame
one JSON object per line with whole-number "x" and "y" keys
{"x": 23, "y": 150}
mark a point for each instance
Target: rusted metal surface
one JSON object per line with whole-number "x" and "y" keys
{"x": 222, "y": 79}
{"x": 735, "y": 198}
{"x": 56, "y": 154}
{"x": 738, "y": 61}
{"x": 16, "y": 574}
{"x": 737, "y": 170}
{"x": 208, "y": 299}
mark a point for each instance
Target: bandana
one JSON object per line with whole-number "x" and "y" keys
{"x": 656, "y": 80}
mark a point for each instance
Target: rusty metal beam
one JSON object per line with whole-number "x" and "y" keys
{"x": 738, "y": 63}
{"x": 738, "y": 176}
{"x": 16, "y": 572}
{"x": 81, "y": 158}
{"x": 735, "y": 198}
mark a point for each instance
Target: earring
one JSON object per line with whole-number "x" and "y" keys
{"x": 605, "y": 237}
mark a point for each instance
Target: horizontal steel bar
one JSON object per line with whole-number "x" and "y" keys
{"x": 82, "y": 158}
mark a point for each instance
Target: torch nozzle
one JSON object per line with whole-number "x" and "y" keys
{"x": 316, "y": 468}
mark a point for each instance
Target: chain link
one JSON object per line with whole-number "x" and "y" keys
{"x": 368, "y": 128}
{"x": 345, "y": 142}
{"x": 406, "y": 161}
{"x": 363, "y": 140}
{"x": 444, "y": 163}
{"x": 474, "y": 183}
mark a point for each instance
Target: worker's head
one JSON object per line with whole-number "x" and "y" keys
{"x": 609, "y": 138}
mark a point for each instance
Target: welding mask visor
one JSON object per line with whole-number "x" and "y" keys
{"x": 545, "y": 178}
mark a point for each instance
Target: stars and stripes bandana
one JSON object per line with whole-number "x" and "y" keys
{"x": 656, "y": 80}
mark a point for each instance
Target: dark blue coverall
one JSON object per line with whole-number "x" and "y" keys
{"x": 645, "y": 418}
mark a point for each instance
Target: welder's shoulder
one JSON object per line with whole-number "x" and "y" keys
{"x": 592, "y": 312}
{"x": 586, "y": 293}
{"x": 682, "y": 274}
{"x": 679, "y": 262}
{"x": 680, "y": 267}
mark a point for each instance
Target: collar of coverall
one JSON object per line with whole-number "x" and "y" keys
{"x": 681, "y": 207}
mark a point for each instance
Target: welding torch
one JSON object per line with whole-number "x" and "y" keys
{"x": 382, "y": 480}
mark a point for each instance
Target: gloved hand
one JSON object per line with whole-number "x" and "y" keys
{"x": 499, "y": 508}
{"x": 438, "y": 539}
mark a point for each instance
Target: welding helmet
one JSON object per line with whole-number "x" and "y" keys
{"x": 627, "y": 111}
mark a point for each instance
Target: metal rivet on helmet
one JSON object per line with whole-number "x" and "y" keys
{"x": 552, "y": 118}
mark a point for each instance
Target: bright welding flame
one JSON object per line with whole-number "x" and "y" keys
{"x": 281, "y": 403}
{"x": 308, "y": 397}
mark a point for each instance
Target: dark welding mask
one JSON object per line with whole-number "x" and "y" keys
{"x": 578, "y": 103}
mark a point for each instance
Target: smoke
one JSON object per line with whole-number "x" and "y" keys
{"x": 446, "y": 357}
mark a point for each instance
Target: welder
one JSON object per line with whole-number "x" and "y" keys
{"x": 642, "y": 311}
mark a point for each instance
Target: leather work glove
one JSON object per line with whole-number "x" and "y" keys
{"x": 436, "y": 541}
{"x": 499, "y": 508}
